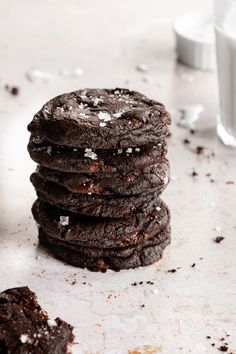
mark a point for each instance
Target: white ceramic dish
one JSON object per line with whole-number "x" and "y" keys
{"x": 195, "y": 40}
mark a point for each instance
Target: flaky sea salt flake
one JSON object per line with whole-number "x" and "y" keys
{"x": 83, "y": 115}
{"x": 129, "y": 150}
{"x": 96, "y": 101}
{"x": 51, "y": 323}
{"x": 142, "y": 67}
{"x": 49, "y": 150}
{"x": 166, "y": 180}
{"x": 24, "y": 338}
{"x": 104, "y": 116}
{"x": 190, "y": 115}
{"x": 118, "y": 114}
{"x": 64, "y": 220}
{"x": 90, "y": 154}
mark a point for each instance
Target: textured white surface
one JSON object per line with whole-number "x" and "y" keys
{"x": 107, "y": 40}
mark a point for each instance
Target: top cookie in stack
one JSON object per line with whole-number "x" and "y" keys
{"x": 101, "y": 153}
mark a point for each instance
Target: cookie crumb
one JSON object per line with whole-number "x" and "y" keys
{"x": 194, "y": 174}
{"x": 13, "y": 90}
{"x": 219, "y": 239}
{"x": 223, "y": 348}
{"x": 199, "y": 150}
{"x": 229, "y": 182}
{"x": 193, "y": 265}
{"x": 186, "y": 141}
{"x": 171, "y": 270}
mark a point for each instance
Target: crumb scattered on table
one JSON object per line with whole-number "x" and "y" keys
{"x": 219, "y": 239}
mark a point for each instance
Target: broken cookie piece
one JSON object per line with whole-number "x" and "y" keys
{"x": 26, "y": 328}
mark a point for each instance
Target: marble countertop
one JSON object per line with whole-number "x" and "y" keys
{"x": 50, "y": 47}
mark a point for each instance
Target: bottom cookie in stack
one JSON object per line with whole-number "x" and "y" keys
{"x": 101, "y": 243}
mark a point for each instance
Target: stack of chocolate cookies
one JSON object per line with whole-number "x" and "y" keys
{"x": 102, "y": 166}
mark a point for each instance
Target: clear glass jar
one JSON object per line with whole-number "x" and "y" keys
{"x": 225, "y": 27}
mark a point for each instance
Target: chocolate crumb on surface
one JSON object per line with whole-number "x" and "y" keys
{"x": 229, "y": 182}
{"x": 223, "y": 348}
{"x": 150, "y": 282}
{"x": 193, "y": 265}
{"x": 194, "y": 174}
{"x": 199, "y": 150}
{"x": 13, "y": 90}
{"x": 219, "y": 239}
{"x": 171, "y": 270}
{"x": 186, "y": 141}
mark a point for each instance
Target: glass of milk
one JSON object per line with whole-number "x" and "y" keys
{"x": 225, "y": 25}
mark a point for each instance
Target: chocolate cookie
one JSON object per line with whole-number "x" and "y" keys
{"x": 91, "y": 204}
{"x": 101, "y": 232}
{"x": 102, "y": 119}
{"x": 137, "y": 256}
{"x": 25, "y": 328}
{"x": 69, "y": 159}
{"x": 118, "y": 252}
{"x": 103, "y": 183}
